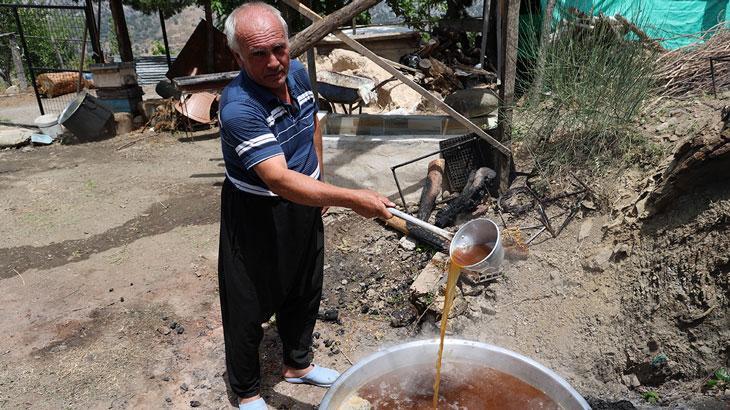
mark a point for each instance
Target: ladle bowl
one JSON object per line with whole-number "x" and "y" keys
{"x": 423, "y": 352}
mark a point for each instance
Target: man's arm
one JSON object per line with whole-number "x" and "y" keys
{"x": 305, "y": 190}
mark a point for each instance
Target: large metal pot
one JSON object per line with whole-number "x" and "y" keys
{"x": 456, "y": 350}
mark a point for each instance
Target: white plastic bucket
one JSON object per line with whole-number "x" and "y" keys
{"x": 49, "y": 125}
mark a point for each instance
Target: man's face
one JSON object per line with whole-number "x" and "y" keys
{"x": 264, "y": 48}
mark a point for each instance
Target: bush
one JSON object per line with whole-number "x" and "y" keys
{"x": 595, "y": 80}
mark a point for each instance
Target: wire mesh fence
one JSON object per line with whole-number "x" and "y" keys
{"x": 56, "y": 50}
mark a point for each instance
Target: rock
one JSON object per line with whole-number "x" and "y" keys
{"x": 427, "y": 281}
{"x": 404, "y": 316}
{"x": 124, "y": 122}
{"x": 335, "y": 350}
{"x": 14, "y": 137}
{"x": 473, "y": 102}
{"x": 585, "y": 229}
{"x": 630, "y": 380}
{"x": 315, "y": 335}
{"x": 180, "y": 329}
{"x": 620, "y": 251}
{"x": 13, "y": 89}
{"x": 488, "y": 310}
{"x": 173, "y": 325}
{"x": 164, "y": 330}
{"x": 184, "y": 387}
{"x": 194, "y": 403}
{"x": 364, "y": 309}
{"x": 407, "y": 244}
{"x": 329, "y": 315}
{"x": 328, "y": 342}
{"x": 598, "y": 261}
{"x": 166, "y": 379}
{"x": 167, "y": 399}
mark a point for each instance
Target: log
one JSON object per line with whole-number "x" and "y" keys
{"x": 55, "y": 84}
{"x": 416, "y": 232}
{"x": 319, "y": 29}
{"x": 431, "y": 189}
{"x": 477, "y": 186}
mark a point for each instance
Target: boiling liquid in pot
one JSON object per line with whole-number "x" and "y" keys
{"x": 463, "y": 386}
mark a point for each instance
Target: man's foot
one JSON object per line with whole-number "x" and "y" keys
{"x": 252, "y": 403}
{"x": 315, "y": 375}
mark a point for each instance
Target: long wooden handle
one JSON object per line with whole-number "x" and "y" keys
{"x": 425, "y": 225}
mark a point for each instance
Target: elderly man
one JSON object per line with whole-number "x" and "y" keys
{"x": 271, "y": 237}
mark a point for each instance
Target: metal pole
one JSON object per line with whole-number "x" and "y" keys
{"x": 164, "y": 38}
{"x": 98, "y": 55}
{"x": 27, "y": 58}
{"x": 485, "y": 31}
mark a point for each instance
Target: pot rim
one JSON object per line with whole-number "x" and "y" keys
{"x": 324, "y": 405}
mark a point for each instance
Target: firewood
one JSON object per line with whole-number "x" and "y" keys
{"x": 477, "y": 186}
{"x": 431, "y": 189}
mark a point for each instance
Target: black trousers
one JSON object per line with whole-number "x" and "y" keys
{"x": 270, "y": 261}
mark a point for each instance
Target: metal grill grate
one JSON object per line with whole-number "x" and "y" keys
{"x": 462, "y": 159}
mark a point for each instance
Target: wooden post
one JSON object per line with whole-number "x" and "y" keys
{"x": 509, "y": 26}
{"x": 485, "y": 32}
{"x": 210, "y": 55}
{"x": 120, "y": 25}
{"x": 311, "y": 63}
{"x": 18, "y": 63}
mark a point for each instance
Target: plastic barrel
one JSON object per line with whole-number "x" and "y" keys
{"x": 86, "y": 118}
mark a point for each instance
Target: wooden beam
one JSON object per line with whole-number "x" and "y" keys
{"x": 323, "y": 26}
{"x": 407, "y": 81}
{"x": 120, "y": 25}
{"x": 509, "y": 17}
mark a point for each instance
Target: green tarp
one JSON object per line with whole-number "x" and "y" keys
{"x": 676, "y": 23}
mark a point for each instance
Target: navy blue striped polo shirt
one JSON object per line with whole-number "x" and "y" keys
{"x": 256, "y": 125}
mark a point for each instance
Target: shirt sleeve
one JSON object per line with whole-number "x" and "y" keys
{"x": 246, "y": 130}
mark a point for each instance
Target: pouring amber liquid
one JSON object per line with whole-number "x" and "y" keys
{"x": 466, "y": 256}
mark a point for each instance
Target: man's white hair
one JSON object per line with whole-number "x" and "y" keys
{"x": 230, "y": 26}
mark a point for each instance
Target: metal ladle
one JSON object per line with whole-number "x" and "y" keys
{"x": 475, "y": 232}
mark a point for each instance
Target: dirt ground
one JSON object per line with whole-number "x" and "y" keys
{"x": 108, "y": 269}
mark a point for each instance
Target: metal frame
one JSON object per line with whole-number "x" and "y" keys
{"x": 440, "y": 151}
{"x": 90, "y": 24}
{"x": 712, "y": 70}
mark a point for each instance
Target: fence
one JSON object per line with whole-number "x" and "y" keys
{"x": 54, "y": 39}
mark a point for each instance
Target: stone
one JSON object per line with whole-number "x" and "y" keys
{"x": 630, "y": 380}
{"x": 167, "y": 399}
{"x": 14, "y": 137}
{"x": 180, "y": 329}
{"x": 407, "y": 244}
{"x": 598, "y": 261}
{"x": 585, "y": 229}
{"x": 124, "y": 122}
{"x": 194, "y": 403}
{"x": 13, "y": 89}
{"x": 428, "y": 280}
{"x": 164, "y": 330}
{"x": 184, "y": 387}
{"x": 329, "y": 315}
{"x": 403, "y": 317}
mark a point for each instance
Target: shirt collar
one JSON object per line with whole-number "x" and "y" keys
{"x": 265, "y": 95}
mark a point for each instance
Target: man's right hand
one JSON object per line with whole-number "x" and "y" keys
{"x": 371, "y": 204}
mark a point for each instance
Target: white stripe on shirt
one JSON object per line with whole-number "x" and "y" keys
{"x": 254, "y": 142}
{"x": 257, "y": 190}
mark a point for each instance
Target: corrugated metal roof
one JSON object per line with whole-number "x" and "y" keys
{"x": 151, "y": 69}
